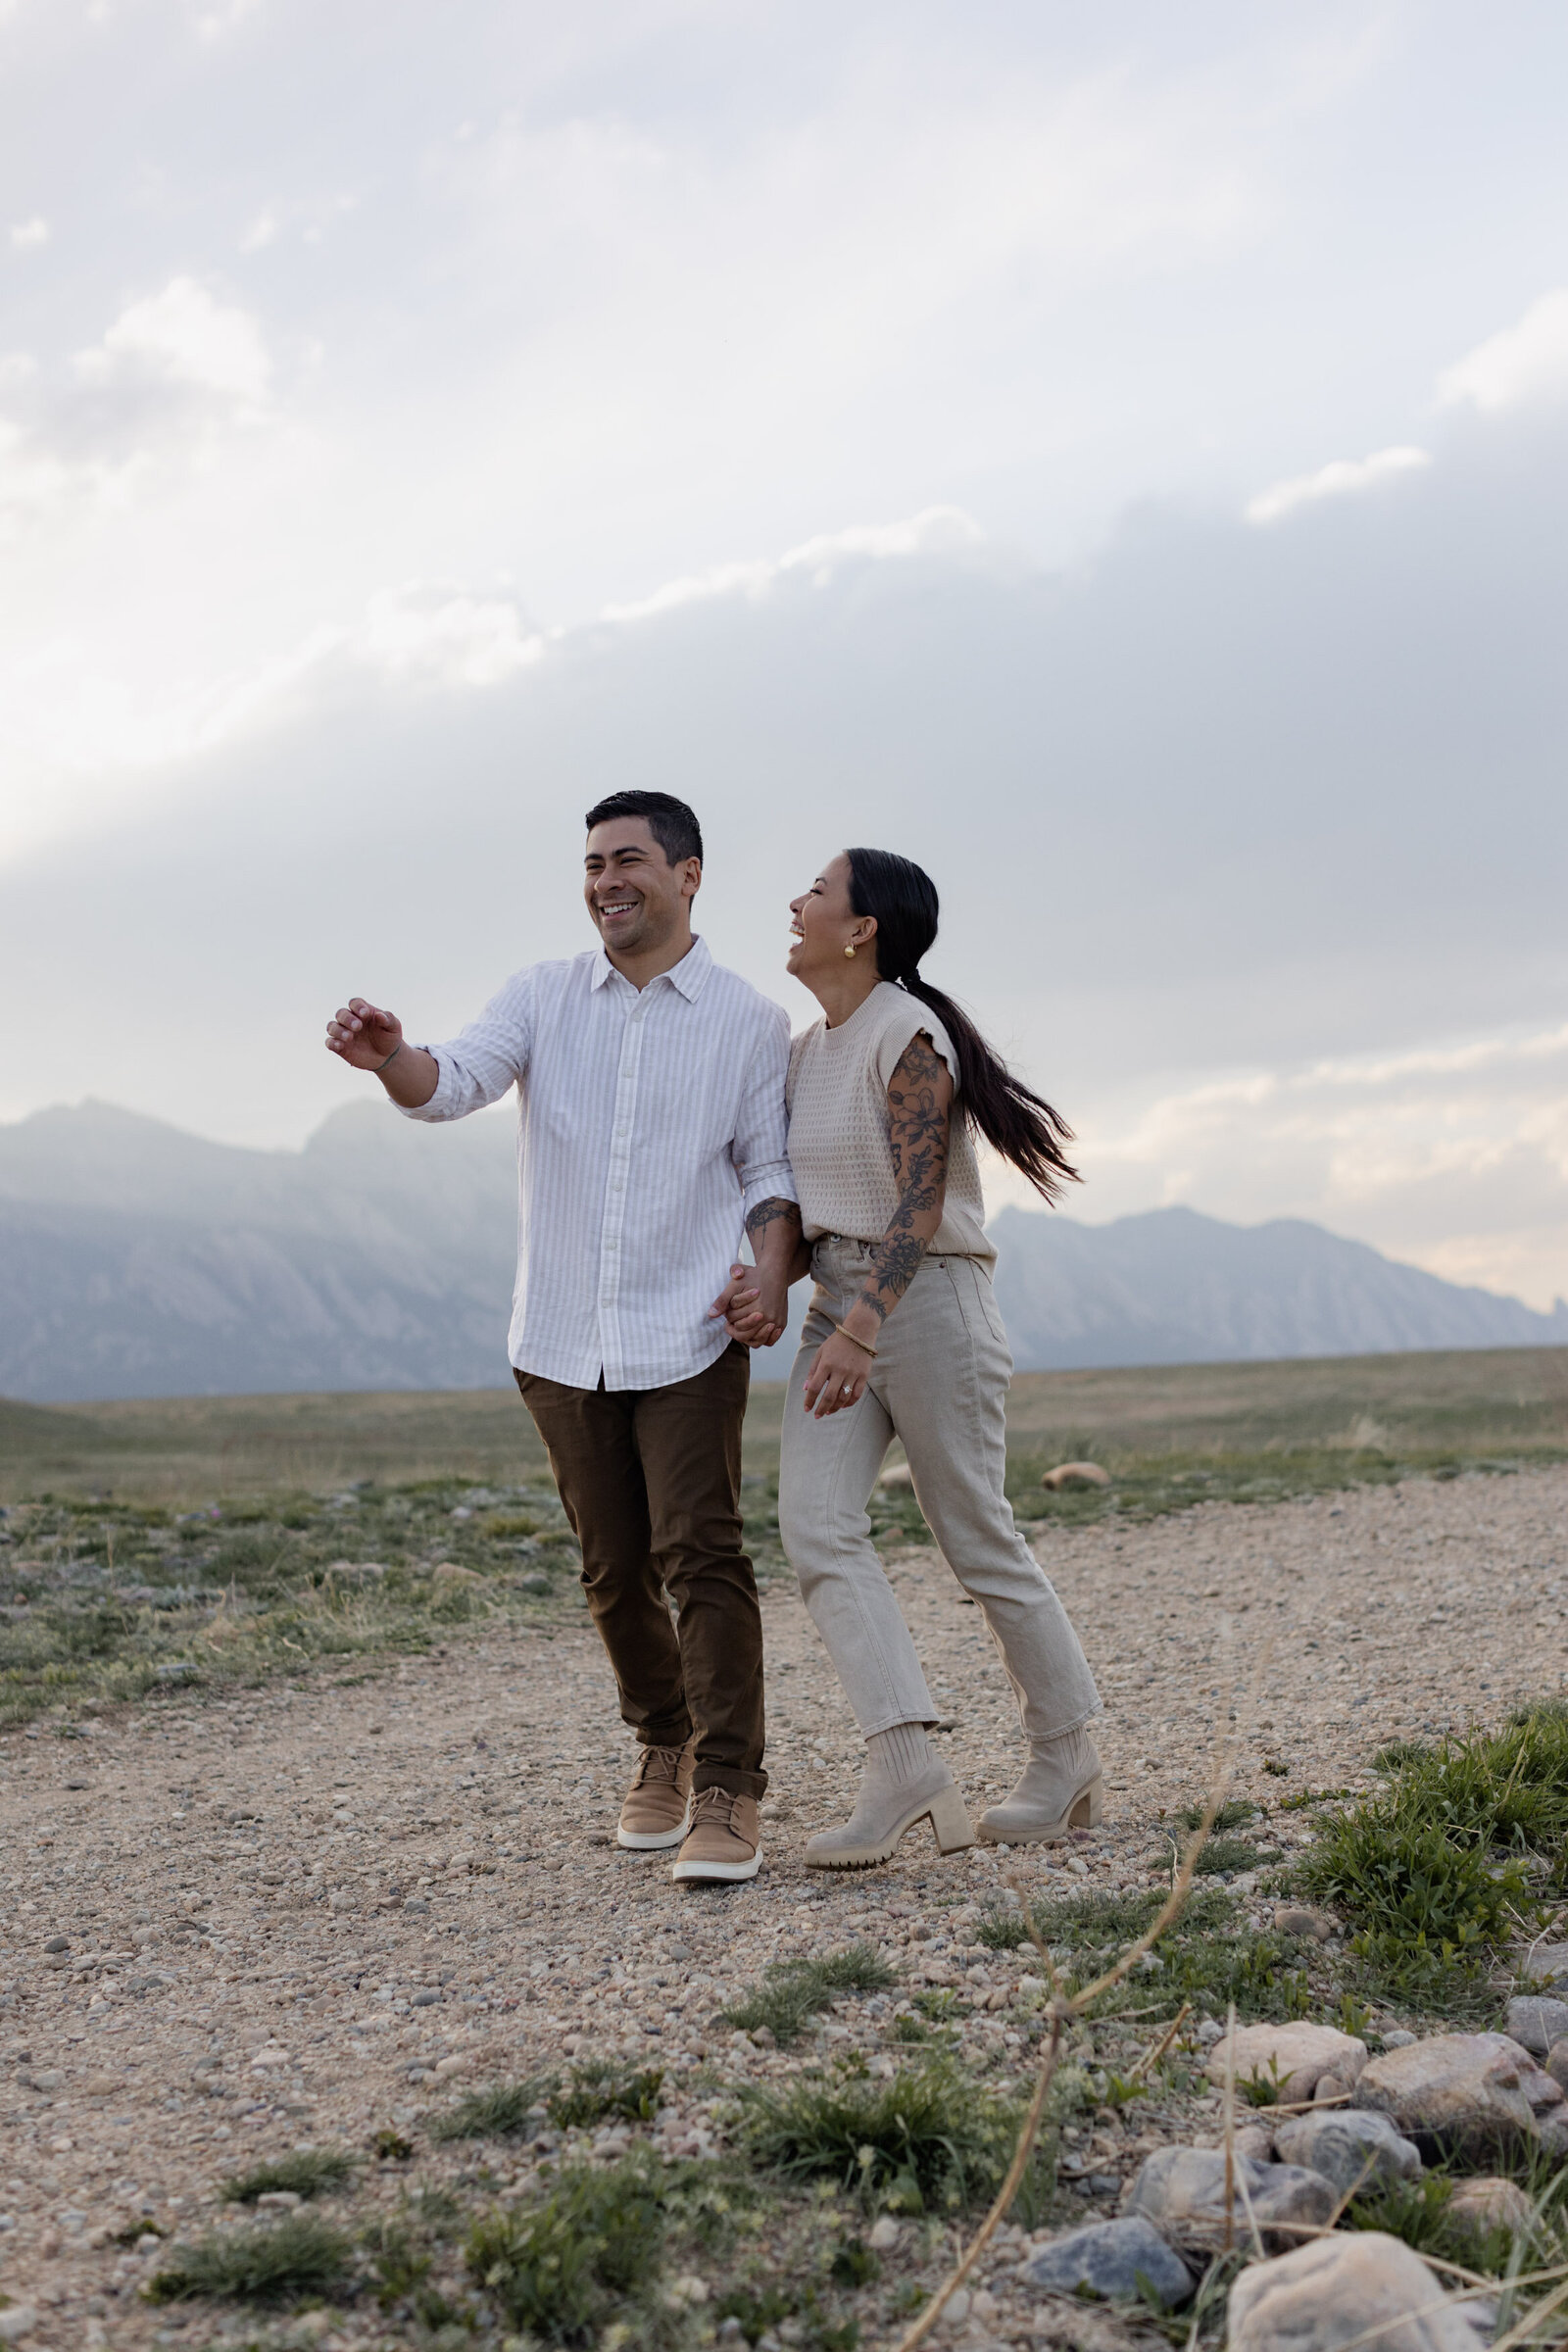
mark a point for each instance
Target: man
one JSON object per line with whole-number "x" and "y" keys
{"x": 651, "y": 1125}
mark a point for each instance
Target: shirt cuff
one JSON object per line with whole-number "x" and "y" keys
{"x": 771, "y": 1181}
{"x": 441, "y": 1105}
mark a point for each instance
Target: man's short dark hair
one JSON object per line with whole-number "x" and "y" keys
{"x": 669, "y": 821}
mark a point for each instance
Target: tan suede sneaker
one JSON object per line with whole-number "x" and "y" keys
{"x": 724, "y": 1841}
{"x": 658, "y": 1808}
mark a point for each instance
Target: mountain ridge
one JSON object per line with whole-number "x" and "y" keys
{"x": 138, "y": 1260}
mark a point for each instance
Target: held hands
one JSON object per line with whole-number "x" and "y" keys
{"x": 754, "y": 1310}
{"x": 364, "y": 1035}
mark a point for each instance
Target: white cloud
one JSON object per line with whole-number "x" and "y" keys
{"x": 1343, "y": 478}
{"x": 27, "y": 235}
{"x": 1453, "y": 1155}
{"x": 937, "y": 531}
{"x": 1517, "y": 368}
{"x": 187, "y": 337}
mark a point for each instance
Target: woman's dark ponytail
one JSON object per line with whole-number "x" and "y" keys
{"x": 1017, "y": 1124}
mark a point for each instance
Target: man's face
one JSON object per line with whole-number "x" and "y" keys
{"x": 637, "y": 899}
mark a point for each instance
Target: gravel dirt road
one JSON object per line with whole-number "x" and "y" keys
{"x": 306, "y": 1915}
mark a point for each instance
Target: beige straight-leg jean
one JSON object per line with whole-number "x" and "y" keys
{"x": 939, "y": 1383}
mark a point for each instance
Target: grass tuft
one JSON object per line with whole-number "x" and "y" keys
{"x": 500, "y": 2113}
{"x": 1437, "y": 1868}
{"x": 792, "y": 1991}
{"x": 929, "y": 2139}
{"x": 599, "y": 2087}
{"x": 559, "y": 2270}
{"x": 307, "y": 2172}
{"x": 301, "y": 2254}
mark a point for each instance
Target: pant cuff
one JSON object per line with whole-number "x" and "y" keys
{"x": 733, "y": 1777}
{"x": 662, "y": 1734}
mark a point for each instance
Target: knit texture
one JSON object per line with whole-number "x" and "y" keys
{"x": 902, "y": 1753}
{"x": 840, "y": 1152}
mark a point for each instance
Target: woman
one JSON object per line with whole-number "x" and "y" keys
{"x": 904, "y": 1340}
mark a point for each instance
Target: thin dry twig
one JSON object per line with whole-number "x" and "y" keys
{"x": 1157, "y": 2050}
{"x": 1062, "y": 2011}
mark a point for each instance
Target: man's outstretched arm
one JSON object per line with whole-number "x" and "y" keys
{"x": 368, "y": 1038}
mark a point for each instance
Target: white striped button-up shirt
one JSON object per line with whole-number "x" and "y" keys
{"x": 650, "y": 1123}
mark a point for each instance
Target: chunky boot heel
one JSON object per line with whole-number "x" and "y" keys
{"x": 881, "y": 1817}
{"x": 1087, "y": 1808}
{"x": 1061, "y": 1789}
{"x": 951, "y": 1825}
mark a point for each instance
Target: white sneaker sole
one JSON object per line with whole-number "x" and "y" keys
{"x": 719, "y": 1871}
{"x": 655, "y": 1841}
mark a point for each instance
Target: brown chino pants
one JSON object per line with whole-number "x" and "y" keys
{"x": 650, "y": 1478}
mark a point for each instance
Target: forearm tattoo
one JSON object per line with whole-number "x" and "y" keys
{"x": 769, "y": 1212}
{"x": 920, "y": 1106}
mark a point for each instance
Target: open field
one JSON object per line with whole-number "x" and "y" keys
{"x": 1460, "y": 1407}
{"x": 239, "y": 1538}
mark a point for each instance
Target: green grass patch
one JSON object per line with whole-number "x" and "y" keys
{"x": 307, "y": 2172}
{"x": 929, "y": 2139}
{"x": 1436, "y": 1870}
{"x": 1208, "y": 1956}
{"x": 793, "y": 1991}
{"x": 109, "y": 1601}
{"x": 598, "y": 2088}
{"x": 264, "y": 2263}
{"x": 1230, "y": 1856}
{"x": 561, "y": 2269}
{"x": 503, "y": 2112}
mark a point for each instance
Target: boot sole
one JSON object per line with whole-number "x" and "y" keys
{"x": 1082, "y": 1814}
{"x": 655, "y": 1842}
{"x": 951, "y": 1827}
{"x": 720, "y": 1872}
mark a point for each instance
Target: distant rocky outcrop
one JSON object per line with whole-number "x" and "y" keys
{"x": 136, "y": 1261}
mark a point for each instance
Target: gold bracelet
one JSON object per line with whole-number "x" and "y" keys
{"x": 851, "y": 1336}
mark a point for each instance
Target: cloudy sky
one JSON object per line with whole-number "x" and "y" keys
{"x": 1117, "y": 456}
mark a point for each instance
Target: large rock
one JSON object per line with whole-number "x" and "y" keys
{"x": 1458, "y": 2093}
{"x": 1295, "y": 2056}
{"x": 1536, "y": 2024}
{"x": 1182, "y": 2192}
{"x": 1557, "y": 2063}
{"x": 1354, "y": 2148}
{"x": 1110, "y": 2259}
{"x": 1356, "y": 2288}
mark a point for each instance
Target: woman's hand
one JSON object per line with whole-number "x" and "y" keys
{"x": 838, "y": 1376}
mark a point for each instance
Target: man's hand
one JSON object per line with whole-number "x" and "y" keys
{"x": 364, "y": 1034}
{"x": 368, "y": 1038}
{"x": 754, "y": 1310}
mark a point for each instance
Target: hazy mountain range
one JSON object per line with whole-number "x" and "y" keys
{"x": 136, "y": 1261}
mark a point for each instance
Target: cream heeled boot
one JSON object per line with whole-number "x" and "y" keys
{"x": 1061, "y": 1789}
{"x": 903, "y": 1781}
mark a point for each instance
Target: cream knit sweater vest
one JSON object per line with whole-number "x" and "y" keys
{"x": 839, "y": 1149}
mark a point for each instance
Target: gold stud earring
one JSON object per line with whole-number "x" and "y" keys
{"x": 849, "y": 952}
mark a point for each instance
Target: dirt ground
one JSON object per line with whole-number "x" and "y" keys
{"x": 298, "y": 1916}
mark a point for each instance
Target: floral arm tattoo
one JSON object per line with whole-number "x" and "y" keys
{"x": 919, "y": 1111}
{"x": 780, "y": 1221}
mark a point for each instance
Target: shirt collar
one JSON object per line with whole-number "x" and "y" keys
{"x": 690, "y": 975}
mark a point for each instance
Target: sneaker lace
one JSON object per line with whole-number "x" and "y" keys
{"x": 658, "y": 1764}
{"x": 716, "y": 1803}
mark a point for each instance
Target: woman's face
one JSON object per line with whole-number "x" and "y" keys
{"x": 825, "y": 923}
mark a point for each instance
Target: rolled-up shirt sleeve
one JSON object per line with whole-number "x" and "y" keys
{"x": 476, "y": 1067}
{"x": 760, "y": 1148}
